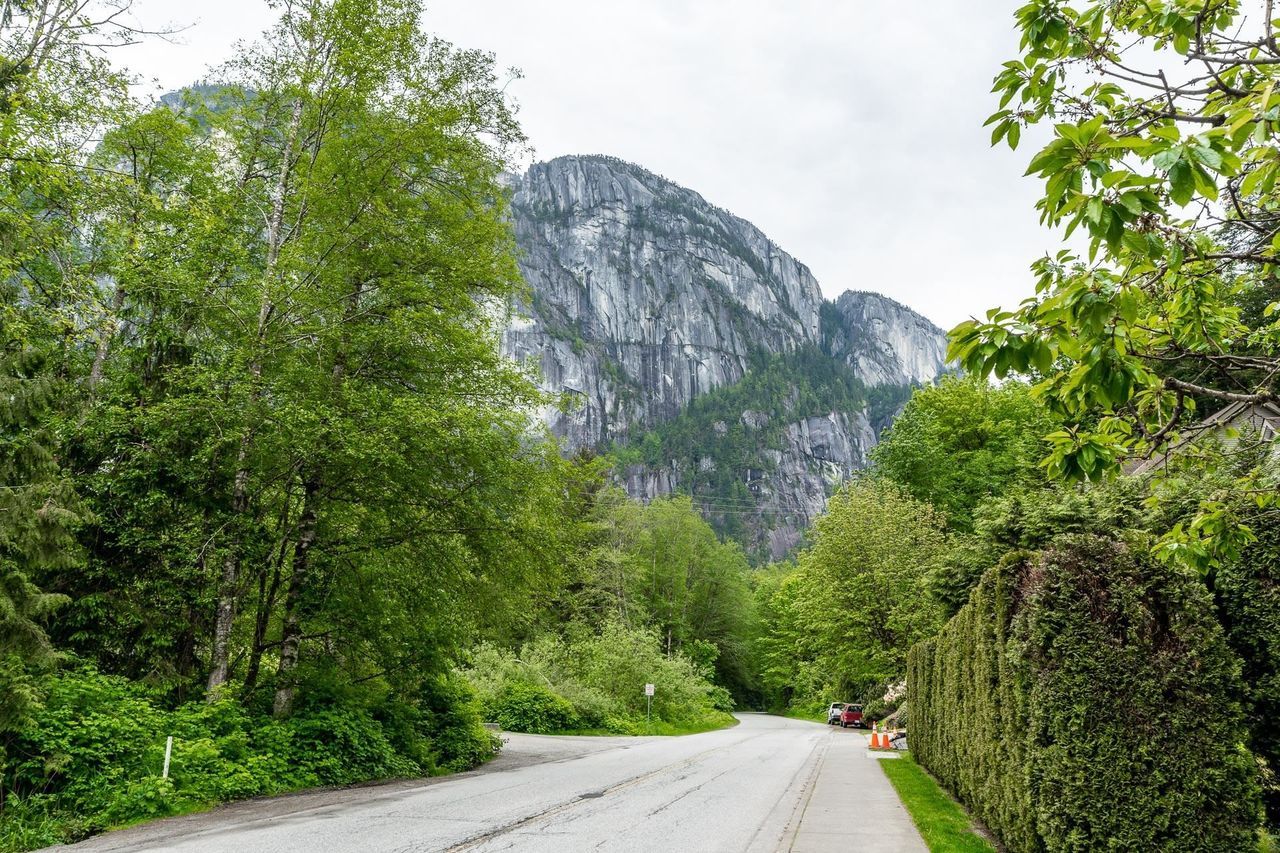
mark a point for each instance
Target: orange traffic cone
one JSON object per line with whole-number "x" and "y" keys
{"x": 875, "y": 739}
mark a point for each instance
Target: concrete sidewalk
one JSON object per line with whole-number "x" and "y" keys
{"x": 852, "y": 807}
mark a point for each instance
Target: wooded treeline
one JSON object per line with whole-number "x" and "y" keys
{"x": 255, "y": 407}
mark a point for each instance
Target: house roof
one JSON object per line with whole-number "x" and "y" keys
{"x": 1263, "y": 416}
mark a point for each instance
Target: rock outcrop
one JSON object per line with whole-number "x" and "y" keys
{"x": 885, "y": 342}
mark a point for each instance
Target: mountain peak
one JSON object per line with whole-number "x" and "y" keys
{"x": 884, "y": 341}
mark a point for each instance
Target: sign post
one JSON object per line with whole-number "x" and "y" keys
{"x": 168, "y": 750}
{"x": 648, "y": 705}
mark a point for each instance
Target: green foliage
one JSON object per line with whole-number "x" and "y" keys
{"x": 962, "y": 441}
{"x": 39, "y": 513}
{"x": 594, "y": 679}
{"x": 1172, "y": 177}
{"x": 1247, "y": 594}
{"x": 306, "y": 441}
{"x": 1085, "y": 698}
{"x": 843, "y": 620}
{"x": 530, "y": 708}
{"x": 92, "y": 755}
{"x": 877, "y": 709}
{"x": 257, "y": 444}
{"x": 661, "y": 566}
{"x": 1027, "y": 519}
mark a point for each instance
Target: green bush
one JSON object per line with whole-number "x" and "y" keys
{"x": 454, "y": 717}
{"x": 1084, "y": 699}
{"x": 533, "y": 709}
{"x": 877, "y": 709}
{"x": 92, "y": 755}
{"x": 600, "y": 675}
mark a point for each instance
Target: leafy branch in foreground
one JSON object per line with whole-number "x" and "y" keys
{"x": 1164, "y": 154}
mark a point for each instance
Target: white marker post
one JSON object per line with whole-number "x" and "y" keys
{"x": 168, "y": 750}
{"x": 648, "y": 704}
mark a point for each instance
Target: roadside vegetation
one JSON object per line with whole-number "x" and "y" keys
{"x": 1170, "y": 316}
{"x": 1055, "y": 652}
{"x": 1107, "y": 672}
{"x": 839, "y": 623}
{"x": 650, "y": 595}
{"x": 944, "y": 825}
{"x": 595, "y": 682}
{"x": 91, "y": 757}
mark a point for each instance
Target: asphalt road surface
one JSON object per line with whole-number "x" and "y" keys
{"x": 768, "y": 784}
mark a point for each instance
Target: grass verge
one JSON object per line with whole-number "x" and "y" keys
{"x": 943, "y": 824}
{"x": 658, "y": 727}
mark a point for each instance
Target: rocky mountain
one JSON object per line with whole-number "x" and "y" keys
{"x": 699, "y": 352}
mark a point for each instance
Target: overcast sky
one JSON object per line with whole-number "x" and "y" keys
{"x": 850, "y": 133}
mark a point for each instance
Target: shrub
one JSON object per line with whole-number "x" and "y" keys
{"x": 601, "y": 676}
{"x": 533, "y": 709}
{"x": 91, "y": 757}
{"x": 1084, "y": 699}
{"x": 345, "y": 745}
{"x": 453, "y": 719}
{"x": 877, "y": 709}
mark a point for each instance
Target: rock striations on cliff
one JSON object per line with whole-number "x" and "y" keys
{"x": 644, "y": 297}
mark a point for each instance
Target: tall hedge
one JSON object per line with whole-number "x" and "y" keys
{"x": 1084, "y": 699}
{"x": 1248, "y": 597}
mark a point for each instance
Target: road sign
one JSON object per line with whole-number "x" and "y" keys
{"x": 648, "y": 690}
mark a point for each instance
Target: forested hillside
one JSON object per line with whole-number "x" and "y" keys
{"x": 743, "y": 450}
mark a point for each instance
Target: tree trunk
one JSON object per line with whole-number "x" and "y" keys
{"x": 291, "y": 636}
{"x": 104, "y": 340}
{"x": 266, "y": 603}
{"x": 219, "y": 670}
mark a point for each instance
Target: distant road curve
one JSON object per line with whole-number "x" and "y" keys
{"x": 768, "y": 784}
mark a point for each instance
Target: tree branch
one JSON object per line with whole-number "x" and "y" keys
{"x": 1205, "y": 391}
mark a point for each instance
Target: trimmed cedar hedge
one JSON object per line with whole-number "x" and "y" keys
{"x": 1084, "y": 700}
{"x": 1248, "y": 596}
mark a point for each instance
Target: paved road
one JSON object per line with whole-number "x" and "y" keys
{"x": 768, "y": 784}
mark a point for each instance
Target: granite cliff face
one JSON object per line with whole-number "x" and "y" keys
{"x": 885, "y": 342}
{"x": 645, "y": 297}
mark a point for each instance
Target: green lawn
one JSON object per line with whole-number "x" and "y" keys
{"x": 941, "y": 821}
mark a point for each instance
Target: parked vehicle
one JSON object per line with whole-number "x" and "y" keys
{"x": 833, "y": 713}
{"x": 851, "y": 716}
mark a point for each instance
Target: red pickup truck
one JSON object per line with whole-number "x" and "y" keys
{"x": 851, "y": 716}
